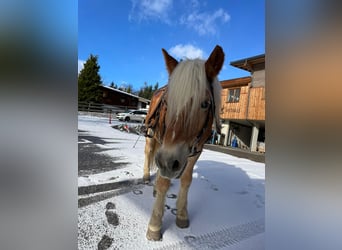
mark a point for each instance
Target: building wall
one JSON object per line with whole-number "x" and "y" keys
{"x": 245, "y": 120}
{"x": 256, "y": 104}
{"x": 123, "y": 100}
{"x": 118, "y": 99}
{"x": 258, "y": 78}
{"x": 249, "y": 110}
{"x": 234, "y": 110}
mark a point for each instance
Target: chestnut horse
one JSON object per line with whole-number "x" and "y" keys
{"x": 179, "y": 122}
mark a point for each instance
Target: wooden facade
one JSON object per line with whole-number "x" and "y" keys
{"x": 243, "y": 105}
{"x": 234, "y": 110}
{"x": 251, "y": 105}
{"x": 256, "y": 105}
{"x": 116, "y": 97}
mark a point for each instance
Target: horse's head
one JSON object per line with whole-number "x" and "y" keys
{"x": 193, "y": 101}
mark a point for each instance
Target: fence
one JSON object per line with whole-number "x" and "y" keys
{"x": 102, "y": 110}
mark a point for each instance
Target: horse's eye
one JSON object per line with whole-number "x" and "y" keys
{"x": 205, "y": 104}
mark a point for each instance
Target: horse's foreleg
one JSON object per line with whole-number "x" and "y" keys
{"x": 149, "y": 151}
{"x": 182, "y": 219}
{"x": 155, "y": 224}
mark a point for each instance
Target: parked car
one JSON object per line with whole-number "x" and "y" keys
{"x": 133, "y": 115}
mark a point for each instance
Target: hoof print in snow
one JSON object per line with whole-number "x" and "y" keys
{"x": 167, "y": 206}
{"x": 213, "y": 187}
{"x": 171, "y": 196}
{"x": 128, "y": 173}
{"x": 110, "y": 205}
{"x": 137, "y": 192}
{"x": 104, "y": 243}
{"x": 189, "y": 239}
{"x": 242, "y": 192}
{"x": 174, "y": 211}
{"x": 112, "y": 218}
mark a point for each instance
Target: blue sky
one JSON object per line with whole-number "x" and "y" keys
{"x": 128, "y": 35}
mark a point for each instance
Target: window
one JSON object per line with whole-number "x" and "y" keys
{"x": 139, "y": 112}
{"x": 234, "y": 95}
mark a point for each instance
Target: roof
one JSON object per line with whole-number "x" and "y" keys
{"x": 237, "y": 82}
{"x": 129, "y": 94}
{"x": 250, "y": 63}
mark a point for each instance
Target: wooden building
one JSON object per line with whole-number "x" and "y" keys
{"x": 122, "y": 99}
{"x": 243, "y": 106}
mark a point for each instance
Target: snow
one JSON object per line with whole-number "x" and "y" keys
{"x": 226, "y": 199}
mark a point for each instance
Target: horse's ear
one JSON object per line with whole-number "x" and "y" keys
{"x": 170, "y": 62}
{"x": 214, "y": 63}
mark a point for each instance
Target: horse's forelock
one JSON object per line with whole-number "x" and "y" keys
{"x": 187, "y": 89}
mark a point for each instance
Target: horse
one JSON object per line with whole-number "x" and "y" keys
{"x": 178, "y": 123}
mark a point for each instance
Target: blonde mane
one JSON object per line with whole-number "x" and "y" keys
{"x": 189, "y": 82}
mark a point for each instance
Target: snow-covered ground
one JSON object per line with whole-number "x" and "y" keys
{"x": 226, "y": 200}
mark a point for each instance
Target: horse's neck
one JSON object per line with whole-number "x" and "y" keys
{"x": 155, "y": 118}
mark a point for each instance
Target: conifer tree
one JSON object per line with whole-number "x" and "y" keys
{"x": 89, "y": 81}
{"x": 129, "y": 88}
{"x": 113, "y": 85}
{"x": 155, "y": 86}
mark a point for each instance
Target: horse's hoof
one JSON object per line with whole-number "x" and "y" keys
{"x": 154, "y": 236}
{"x": 182, "y": 223}
{"x": 146, "y": 180}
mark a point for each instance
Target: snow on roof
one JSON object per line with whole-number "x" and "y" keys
{"x": 130, "y": 94}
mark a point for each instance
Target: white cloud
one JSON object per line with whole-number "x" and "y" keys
{"x": 150, "y": 9}
{"x": 205, "y": 23}
{"x": 80, "y": 65}
{"x": 186, "y": 51}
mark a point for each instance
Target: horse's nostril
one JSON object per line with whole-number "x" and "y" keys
{"x": 175, "y": 165}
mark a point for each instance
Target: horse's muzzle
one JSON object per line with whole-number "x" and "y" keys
{"x": 171, "y": 161}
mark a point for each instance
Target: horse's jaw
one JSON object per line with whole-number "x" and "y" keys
{"x": 172, "y": 161}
